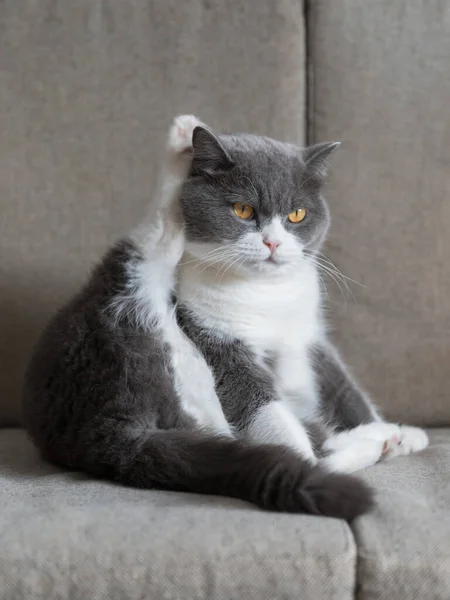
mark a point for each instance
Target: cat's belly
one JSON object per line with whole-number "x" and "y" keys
{"x": 274, "y": 318}
{"x": 296, "y": 383}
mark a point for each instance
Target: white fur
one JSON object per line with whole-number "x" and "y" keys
{"x": 360, "y": 447}
{"x": 161, "y": 237}
{"x": 194, "y": 381}
{"x": 412, "y": 439}
{"x": 365, "y": 445}
{"x": 274, "y": 424}
{"x": 359, "y": 454}
{"x": 266, "y": 312}
{"x": 385, "y": 433}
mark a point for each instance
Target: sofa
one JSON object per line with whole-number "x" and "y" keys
{"x": 87, "y": 90}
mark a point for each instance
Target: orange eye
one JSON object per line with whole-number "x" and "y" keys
{"x": 297, "y": 215}
{"x": 243, "y": 211}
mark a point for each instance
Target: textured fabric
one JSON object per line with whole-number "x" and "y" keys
{"x": 380, "y": 81}
{"x": 64, "y": 535}
{"x": 404, "y": 545}
{"x": 87, "y": 90}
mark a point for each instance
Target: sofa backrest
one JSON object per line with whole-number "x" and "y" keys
{"x": 87, "y": 90}
{"x": 380, "y": 74}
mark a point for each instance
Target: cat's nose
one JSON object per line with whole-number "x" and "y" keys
{"x": 271, "y": 244}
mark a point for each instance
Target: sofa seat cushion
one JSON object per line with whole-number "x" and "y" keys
{"x": 404, "y": 544}
{"x": 65, "y": 535}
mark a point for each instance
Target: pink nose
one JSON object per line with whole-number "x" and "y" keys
{"x": 272, "y": 245}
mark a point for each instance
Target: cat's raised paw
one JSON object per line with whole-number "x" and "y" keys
{"x": 180, "y": 133}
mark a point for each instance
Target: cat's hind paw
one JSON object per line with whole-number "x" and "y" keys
{"x": 388, "y": 434}
{"x": 357, "y": 454}
{"x": 412, "y": 439}
{"x": 180, "y": 133}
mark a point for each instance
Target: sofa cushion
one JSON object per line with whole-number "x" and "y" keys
{"x": 379, "y": 74}
{"x": 65, "y": 535}
{"x": 404, "y": 545}
{"x": 87, "y": 90}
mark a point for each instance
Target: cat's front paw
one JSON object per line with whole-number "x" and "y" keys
{"x": 412, "y": 439}
{"x": 180, "y": 134}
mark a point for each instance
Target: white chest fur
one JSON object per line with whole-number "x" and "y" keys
{"x": 268, "y": 313}
{"x": 279, "y": 315}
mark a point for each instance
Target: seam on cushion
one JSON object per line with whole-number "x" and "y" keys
{"x": 352, "y": 543}
{"x": 309, "y": 73}
{"x": 361, "y": 558}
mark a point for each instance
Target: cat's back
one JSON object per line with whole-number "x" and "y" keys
{"x": 84, "y": 358}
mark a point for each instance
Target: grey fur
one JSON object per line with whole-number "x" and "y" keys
{"x": 236, "y": 374}
{"x": 99, "y": 392}
{"x": 343, "y": 404}
{"x": 273, "y": 177}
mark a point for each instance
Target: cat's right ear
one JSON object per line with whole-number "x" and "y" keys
{"x": 209, "y": 155}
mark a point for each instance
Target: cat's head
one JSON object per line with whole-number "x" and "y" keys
{"x": 252, "y": 204}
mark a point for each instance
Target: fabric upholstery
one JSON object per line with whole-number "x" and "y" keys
{"x": 380, "y": 82}
{"x": 404, "y": 545}
{"x": 64, "y": 535}
{"x": 87, "y": 90}
{"x": 63, "y": 532}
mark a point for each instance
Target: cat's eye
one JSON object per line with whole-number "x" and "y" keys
{"x": 243, "y": 211}
{"x": 297, "y": 216}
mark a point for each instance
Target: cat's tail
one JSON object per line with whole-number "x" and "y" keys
{"x": 272, "y": 477}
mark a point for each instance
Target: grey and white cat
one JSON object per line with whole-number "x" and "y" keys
{"x": 196, "y": 357}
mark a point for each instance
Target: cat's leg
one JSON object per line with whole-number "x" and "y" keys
{"x": 354, "y": 456}
{"x": 161, "y": 233}
{"x": 347, "y": 408}
{"x": 194, "y": 382}
{"x": 274, "y": 423}
{"x": 176, "y": 162}
{"x": 159, "y": 240}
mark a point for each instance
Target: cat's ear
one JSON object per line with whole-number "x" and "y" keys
{"x": 317, "y": 157}
{"x": 210, "y": 157}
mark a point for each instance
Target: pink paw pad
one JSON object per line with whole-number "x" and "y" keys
{"x": 388, "y": 444}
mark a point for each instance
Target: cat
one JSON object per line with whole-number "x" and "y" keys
{"x": 196, "y": 357}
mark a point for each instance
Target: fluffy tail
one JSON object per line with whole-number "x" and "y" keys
{"x": 272, "y": 477}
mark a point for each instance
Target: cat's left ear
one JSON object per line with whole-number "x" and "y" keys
{"x": 210, "y": 157}
{"x": 317, "y": 158}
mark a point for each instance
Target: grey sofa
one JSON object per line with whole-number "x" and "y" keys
{"x": 87, "y": 89}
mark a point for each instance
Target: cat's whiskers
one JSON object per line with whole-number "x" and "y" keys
{"x": 223, "y": 258}
{"x": 334, "y": 274}
{"x": 205, "y": 256}
{"x": 327, "y": 264}
{"x": 231, "y": 263}
{"x": 332, "y": 265}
